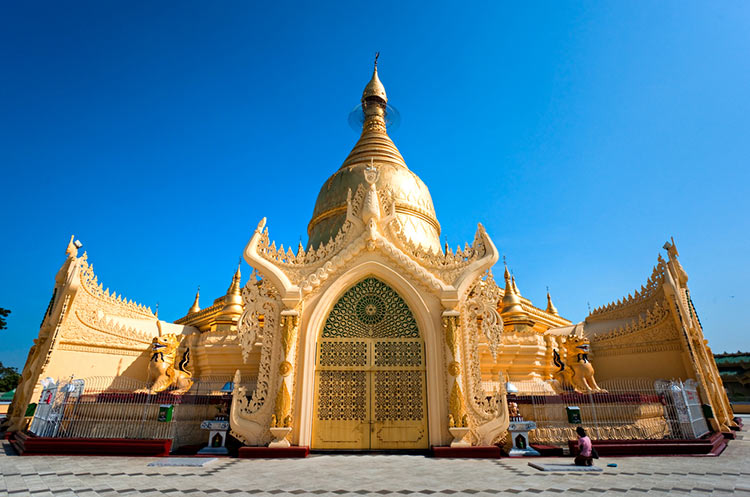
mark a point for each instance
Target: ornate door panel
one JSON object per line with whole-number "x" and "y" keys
{"x": 397, "y": 382}
{"x": 342, "y": 400}
{"x": 370, "y": 374}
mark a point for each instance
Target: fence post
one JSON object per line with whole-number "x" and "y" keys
{"x": 145, "y": 409}
{"x": 593, "y": 413}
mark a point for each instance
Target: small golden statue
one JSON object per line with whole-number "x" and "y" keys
{"x": 164, "y": 371}
{"x": 576, "y": 371}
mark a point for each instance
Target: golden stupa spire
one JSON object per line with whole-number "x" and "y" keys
{"x": 196, "y": 306}
{"x": 375, "y": 147}
{"x": 515, "y": 287}
{"x": 550, "y": 306}
{"x": 374, "y": 88}
{"x": 374, "y": 102}
{"x": 233, "y": 298}
{"x": 512, "y": 312}
{"x": 510, "y": 298}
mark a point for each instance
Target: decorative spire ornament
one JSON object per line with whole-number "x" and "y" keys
{"x": 196, "y": 305}
{"x": 233, "y": 299}
{"x": 515, "y": 287}
{"x": 512, "y": 311}
{"x": 375, "y": 88}
{"x": 550, "y": 306}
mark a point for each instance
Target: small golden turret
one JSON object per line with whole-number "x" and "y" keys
{"x": 513, "y": 314}
{"x": 196, "y": 306}
{"x": 550, "y": 306}
{"x": 233, "y": 299}
{"x": 515, "y": 288}
{"x": 511, "y": 302}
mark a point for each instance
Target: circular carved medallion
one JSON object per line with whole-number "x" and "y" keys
{"x": 454, "y": 368}
{"x": 285, "y": 368}
{"x": 370, "y": 309}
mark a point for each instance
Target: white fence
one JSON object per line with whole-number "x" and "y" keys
{"x": 687, "y": 405}
{"x": 121, "y": 407}
{"x": 629, "y": 408}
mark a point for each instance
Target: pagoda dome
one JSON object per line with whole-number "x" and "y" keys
{"x": 414, "y": 209}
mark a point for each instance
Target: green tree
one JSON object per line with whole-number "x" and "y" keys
{"x": 9, "y": 378}
{"x": 3, "y": 314}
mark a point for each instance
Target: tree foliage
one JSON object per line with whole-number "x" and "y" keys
{"x": 3, "y": 314}
{"x": 9, "y": 378}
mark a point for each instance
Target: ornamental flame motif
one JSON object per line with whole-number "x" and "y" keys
{"x": 482, "y": 307}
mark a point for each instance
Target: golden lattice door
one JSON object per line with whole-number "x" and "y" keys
{"x": 370, "y": 374}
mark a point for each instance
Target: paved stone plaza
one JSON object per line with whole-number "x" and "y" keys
{"x": 373, "y": 475}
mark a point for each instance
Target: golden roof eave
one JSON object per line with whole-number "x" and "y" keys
{"x": 205, "y": 317}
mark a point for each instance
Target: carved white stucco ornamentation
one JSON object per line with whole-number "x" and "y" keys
{"x": 251, "y": 411}
{"x": 259, "y": 301}
{"x": 481, "y": 307}
{"x": 488, "y": 412}
{"x": 371, "y": 232}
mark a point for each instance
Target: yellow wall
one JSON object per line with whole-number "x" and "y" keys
{"x": 655, "y": 365}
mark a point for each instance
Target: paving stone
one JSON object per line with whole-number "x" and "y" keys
{"x": 338, "y": 475}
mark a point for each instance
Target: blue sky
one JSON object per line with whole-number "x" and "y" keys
{"x": 582, "y": 134}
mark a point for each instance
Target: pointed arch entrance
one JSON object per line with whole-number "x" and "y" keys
{"x": 370, "y": 390}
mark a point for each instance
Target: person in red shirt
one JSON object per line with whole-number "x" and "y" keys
{"x": 584, "y": 457}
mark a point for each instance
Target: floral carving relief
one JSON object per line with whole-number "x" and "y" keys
{"x": 260, "y": 299}
{"x": 487, "y": 412}
{"x": 481, "y": 306}
{"x": 261, "y": 308}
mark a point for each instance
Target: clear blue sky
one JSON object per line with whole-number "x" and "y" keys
{"x": 582, "y": 134}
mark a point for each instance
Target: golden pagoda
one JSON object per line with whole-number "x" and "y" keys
{"x": 373, "y": 336}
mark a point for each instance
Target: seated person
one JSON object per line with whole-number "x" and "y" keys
{"x": 584, "y": 457}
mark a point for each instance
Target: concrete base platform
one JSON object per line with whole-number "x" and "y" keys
{"x": 565, "y": 467}
{"x": 27, "y": 444}
{"x": 272, "y": 453}
{"x": 711, "y": 445}
{"x": 548, "y": 450}
{"x": 488, "y": 452}
{"x": 192, "y": 462}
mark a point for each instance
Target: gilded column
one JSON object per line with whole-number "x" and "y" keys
{"x": 458, "y": 422}
{"x": 281, "y": 420}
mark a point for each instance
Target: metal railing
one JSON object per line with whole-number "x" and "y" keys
{"x": 121, "y": 407}
{"x": 628, "y": 408}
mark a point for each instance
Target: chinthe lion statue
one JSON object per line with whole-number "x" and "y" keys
{"x": 576, "y": 371}
{"x": 164, "y": 371}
